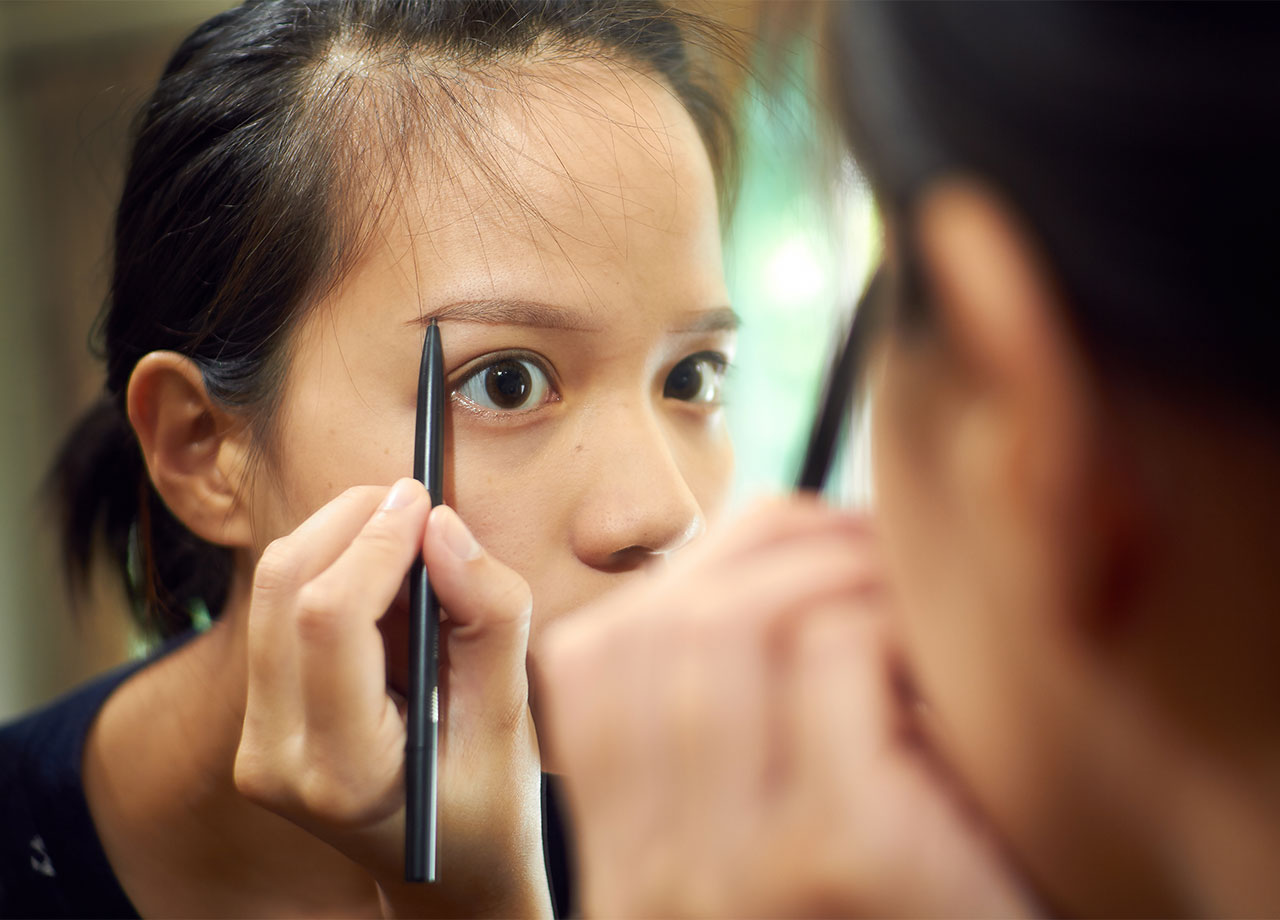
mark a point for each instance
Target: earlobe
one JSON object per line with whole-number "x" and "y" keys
{"x": 194, "y": 450}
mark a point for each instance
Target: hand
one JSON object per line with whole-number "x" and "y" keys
{"x": 323, "y": 740}
{"x": 736, "y": 741}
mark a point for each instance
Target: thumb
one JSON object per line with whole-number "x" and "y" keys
{"x": 488, "y": 606}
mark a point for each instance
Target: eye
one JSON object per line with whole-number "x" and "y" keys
{"x": 508, "y": 384}
{"x": 697, "y": 379}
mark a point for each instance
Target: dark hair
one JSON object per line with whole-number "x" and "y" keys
{"x": 1139, "y": 142}
{"x": 237, "y": 207}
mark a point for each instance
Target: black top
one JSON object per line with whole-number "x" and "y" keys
{"x": 51, "y": 861}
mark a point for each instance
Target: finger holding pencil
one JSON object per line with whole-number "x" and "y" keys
{"x": 367, "y": 779}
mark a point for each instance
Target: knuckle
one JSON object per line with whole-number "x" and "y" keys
{"x": 277, "y": 568}
{"x": 356, "y": 494}
{"x": 325, "y": 796}
{"x": 318, "y": 611}
{"x": 254, "y": 779}
{"x": 382, "y": 537}
{"x": 514, "y": 600}
{"x": 319, "y": 795}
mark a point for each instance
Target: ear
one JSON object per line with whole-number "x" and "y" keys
{"x": 1033, "y": 464}
{"x": 196, "y": 453}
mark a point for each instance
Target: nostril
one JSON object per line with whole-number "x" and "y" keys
{"x": 627, "y": 559}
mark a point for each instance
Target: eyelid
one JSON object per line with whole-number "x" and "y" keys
{"x": 720, "y": 367}
{"x": 478, "y": 364}
{"x": 718, "y": 358}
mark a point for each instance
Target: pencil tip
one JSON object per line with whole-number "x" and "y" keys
{"x": 433, "y": 321}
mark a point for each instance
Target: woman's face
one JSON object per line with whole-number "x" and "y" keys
{"x": 586, "y": 328}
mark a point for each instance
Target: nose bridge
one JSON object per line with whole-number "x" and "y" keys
{"x": 637, "y": 502}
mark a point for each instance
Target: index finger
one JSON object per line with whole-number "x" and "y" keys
{"x": 286, "y": 565}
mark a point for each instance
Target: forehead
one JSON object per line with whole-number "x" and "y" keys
{"x": 571, "y": 183}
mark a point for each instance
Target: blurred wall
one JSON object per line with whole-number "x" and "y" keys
{"x": 72, "y": 73}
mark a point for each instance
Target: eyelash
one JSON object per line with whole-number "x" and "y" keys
{"x": 717, "y": 360}
{"x": 720, "y": 365}
{"x": 487, "y": 363}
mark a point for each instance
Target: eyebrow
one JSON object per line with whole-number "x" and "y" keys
{"x": 537, "y": 315}
{"x": 720, "y": 319}
{"x": 508, "y": 313}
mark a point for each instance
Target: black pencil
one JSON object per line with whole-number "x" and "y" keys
{"x": 422, "y": 743}
{"x": 838, "y": 392}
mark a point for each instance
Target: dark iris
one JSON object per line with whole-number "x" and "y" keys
{"x": 508, "y": 384}
{"x": 684, "y": 381}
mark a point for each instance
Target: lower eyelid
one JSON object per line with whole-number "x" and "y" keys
{"x": 502, "y": 414}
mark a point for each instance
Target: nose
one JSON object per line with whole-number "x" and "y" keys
{"x": 637, "y": 505}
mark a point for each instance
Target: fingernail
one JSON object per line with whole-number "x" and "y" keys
{"x": 402, "y": 495}
{"x": 456, "y": 535}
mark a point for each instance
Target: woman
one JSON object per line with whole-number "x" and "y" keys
{"x": 309, "y": 183}
{"x": 1042, "y": 677}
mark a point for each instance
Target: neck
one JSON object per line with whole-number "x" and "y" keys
{"x": 158, "y": 774}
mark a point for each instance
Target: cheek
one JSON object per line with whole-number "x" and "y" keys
{"x": 705, "y": 456}
{"x": 510, "y": 488}
{"x": 907, "y": 489}
{"x": 962, "y": 642}
{"x": 922, "y": 535}
{"x": 313, "y": 458}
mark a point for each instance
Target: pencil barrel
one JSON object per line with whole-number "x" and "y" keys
{"x": 416, "y": 862}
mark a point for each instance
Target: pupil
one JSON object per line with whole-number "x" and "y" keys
{"x": 684, "y": 382}
{"x": 508, "y": 384}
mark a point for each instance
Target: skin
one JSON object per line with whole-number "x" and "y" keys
{"x": 609, "y": 276}
{"x": 997, "y": 697}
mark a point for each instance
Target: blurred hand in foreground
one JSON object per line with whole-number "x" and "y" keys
{"x": 739, "y": 737}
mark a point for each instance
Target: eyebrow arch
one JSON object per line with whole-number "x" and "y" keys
{"x": 534, "y": 314}
{"x": 507, "y": 313}
{"x": 720, "y": 319}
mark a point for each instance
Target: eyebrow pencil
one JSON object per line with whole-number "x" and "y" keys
{"x": 838, "y": 395}
{"x": 421, "y": 752}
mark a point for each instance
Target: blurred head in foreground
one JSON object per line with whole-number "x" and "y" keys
{"x": 1076, "y": 422}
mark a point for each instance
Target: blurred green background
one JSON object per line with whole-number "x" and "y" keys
{"x": 72, "y": 74}
{"x": 797, "y": 249}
